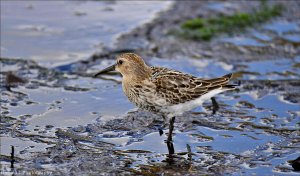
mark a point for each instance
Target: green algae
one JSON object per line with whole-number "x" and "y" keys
{"x": 296, "y": 65}
{"x": 206, "y": 28}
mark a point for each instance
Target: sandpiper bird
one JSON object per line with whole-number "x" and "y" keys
{"x": 164, "y": 91}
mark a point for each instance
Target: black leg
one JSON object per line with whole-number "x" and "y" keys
{"x": 161, "y": 132}
{"x": 12, "y": 157}
{"x": 170, "y": 148}
{"x": 215, "y": 105}
{"x": 8, "y": 88}
{"x": 171, "y": 128}
{"x": 170, "y": 141}
{"x": 170, "y": 158}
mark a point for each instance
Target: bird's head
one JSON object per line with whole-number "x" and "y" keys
{"x": 129, "y": 65}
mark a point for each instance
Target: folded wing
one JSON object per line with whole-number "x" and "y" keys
{"x": 176, "y": 87}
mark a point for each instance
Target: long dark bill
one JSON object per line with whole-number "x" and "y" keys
{"x": 108, "y": 69}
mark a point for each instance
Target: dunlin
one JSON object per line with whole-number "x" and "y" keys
{"x": 164, "y": 91}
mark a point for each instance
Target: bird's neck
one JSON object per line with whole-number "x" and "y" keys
{"x": 138, "y": 75}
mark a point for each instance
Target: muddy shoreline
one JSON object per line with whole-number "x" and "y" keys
{"x": 261, "y": 118}
{"x": 157, "y": 42}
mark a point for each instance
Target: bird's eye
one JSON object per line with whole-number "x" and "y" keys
{"x": 120, "y": 62}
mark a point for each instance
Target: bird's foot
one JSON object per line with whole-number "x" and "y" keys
{"x": 161, "y": 132}
{"x": 163, "y": 126}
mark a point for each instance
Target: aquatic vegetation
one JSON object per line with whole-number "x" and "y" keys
{"x": 206, "y": 28}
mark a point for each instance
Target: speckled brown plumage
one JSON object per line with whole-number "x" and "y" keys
{"x": 173, "y": 86}
{"x": 164, "y": 90}
{"x": 179, "y": 87}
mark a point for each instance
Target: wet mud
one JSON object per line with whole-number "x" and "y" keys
{"x": 62, "y": 121}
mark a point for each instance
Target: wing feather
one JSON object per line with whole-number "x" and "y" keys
{"x": 177, "y": 87}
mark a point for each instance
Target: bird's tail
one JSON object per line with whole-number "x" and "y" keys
{"x": 222, "y": 82}
{"x": 229, "y": 86}
{"x": 219, "y": 85}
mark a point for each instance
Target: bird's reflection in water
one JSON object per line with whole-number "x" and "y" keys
{"x": 169, "y": 142}
{"x": 172, "y": 159}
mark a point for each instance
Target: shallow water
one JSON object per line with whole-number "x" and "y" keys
{"x": 64, "y": 121}
{"x": 56, "y": 32}
{"x": 246, "y": 121}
